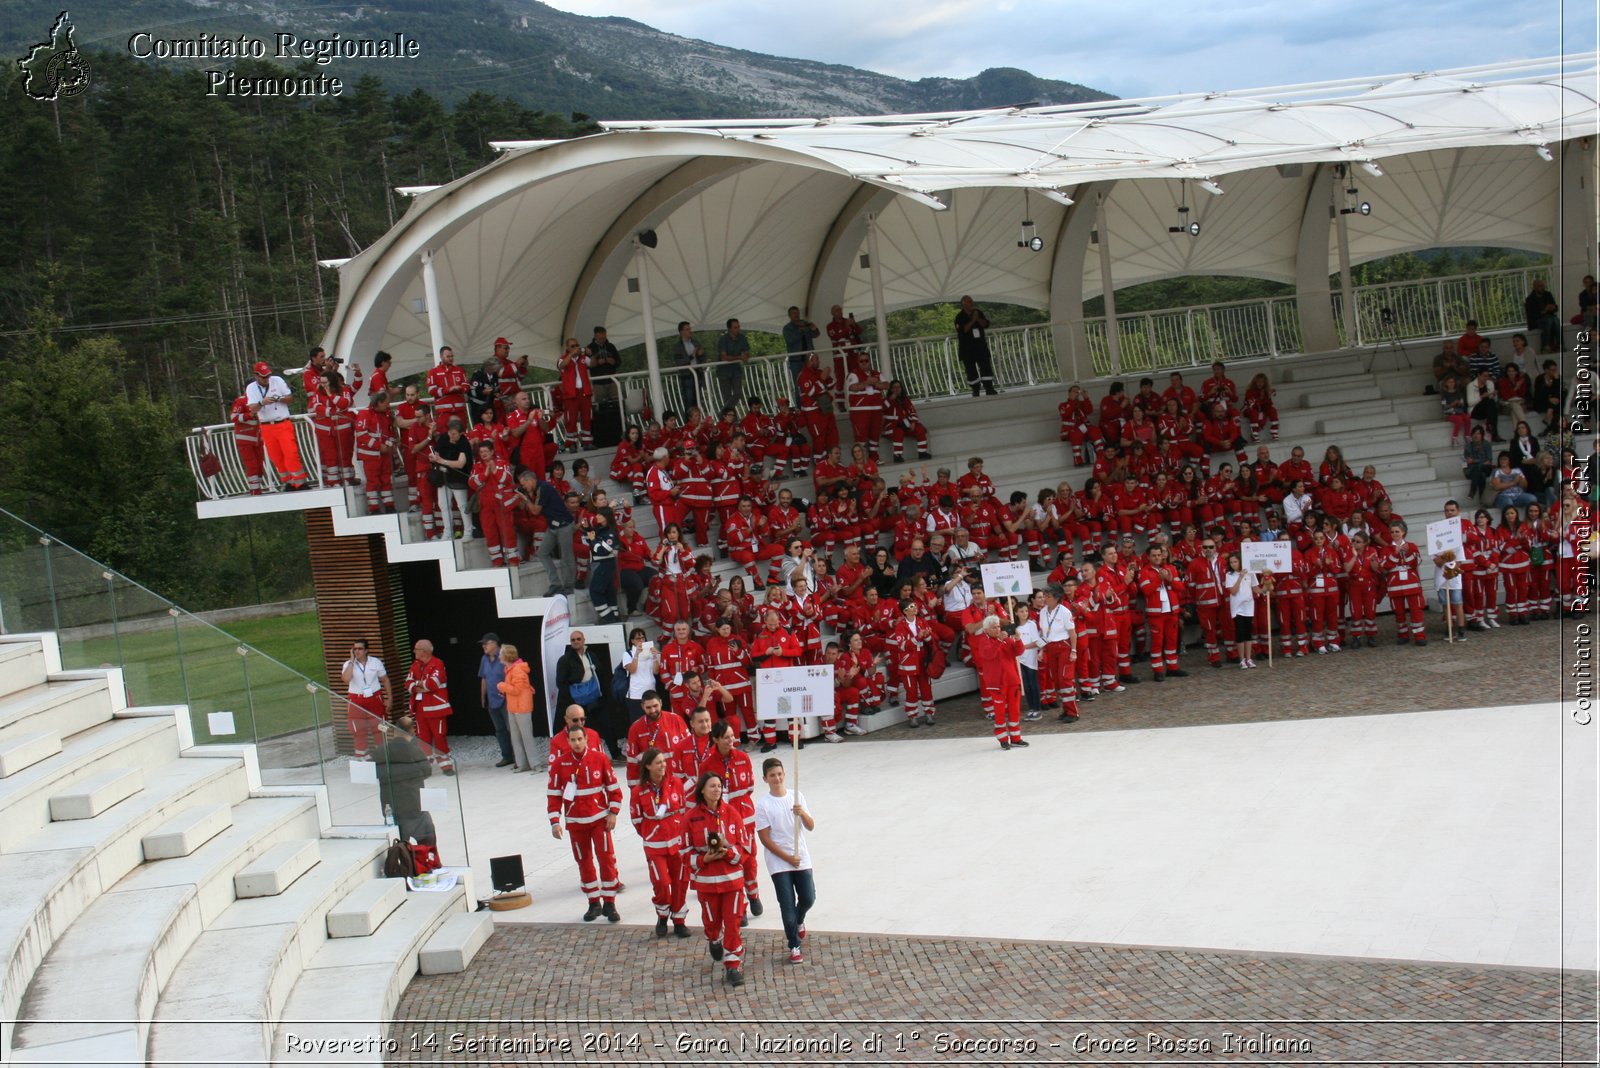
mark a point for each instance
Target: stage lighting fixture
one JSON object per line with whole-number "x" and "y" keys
{"x": 1211, "y": 187}
{"x": 1545, "y": 153}
{"x": 1030, "y": 234}
{"x": 1352, "y": 206}
{"x": 1372, "y": 168}
{"x": 648, "y": 238}
{"x": 1184, "y": 225}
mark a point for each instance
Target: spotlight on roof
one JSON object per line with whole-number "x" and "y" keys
{"x": 1372, "y": 168}
{"x": 1545, "y": 153}
{"x": 1353, "y": 206}
{"x": 1211, "y": 187}
{"x": 648, "y": 238}
{"x": 1057, "y": 196}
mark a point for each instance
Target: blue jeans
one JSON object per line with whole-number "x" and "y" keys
{"x": 1514, "y": 498}
{"x": 502, "y": 730}
{"x": 796, "y": 894}
{"x": 1030, "y": 687}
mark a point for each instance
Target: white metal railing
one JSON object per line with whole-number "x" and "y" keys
{"x": 1148, "y": 342}
{"x": 229, "y": 479}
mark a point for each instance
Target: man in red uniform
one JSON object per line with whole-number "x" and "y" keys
{"x": 497, "y": 504}
{"x": 375, "y": 450}
{"x": 663, "y": 492}
{"x": 816, "y": 406}
{"x": 525, "y": 434}
{"x": 430, "y": 704}
{"x": 576, "y": 368}
{"x": 1059, "y": 656}
{"x": 995, "y": 653}
{"x": 679, "y": 657}
{"x": 508, "y": 381}
{"x": 1204, "y": 581}
{"x": 1086, "y": 621}
{"x": 1220, "y": 388}
{"x": 1076, "y": 412}
{"x": 864, "y": 398}
{"x": 690, "y": 753}
{"x": 583, "y": 792}
{"x": 656, "y": 729}
{"x": 1177, "y": 391}
{"x": 448, "y": 385}
{"x": 247, "y": 439}
{"x": 738, "y": 791}
{"x": 1162, "y": 587}
{"x": 844, "y": 334}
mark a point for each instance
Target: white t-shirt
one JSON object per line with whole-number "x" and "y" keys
{"x": 775, "y": 815}
{"x": 364, "y": 677}
{"x": 271, "y": 399}
{"x": 1027, "y": 634}
{"x": 1242, "y": 601}
{"x": 645, "y": 678}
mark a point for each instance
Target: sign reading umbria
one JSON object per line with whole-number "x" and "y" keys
{"x": 282, "y": 46}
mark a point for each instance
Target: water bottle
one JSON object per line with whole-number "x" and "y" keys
{"x": 388, "y": 815}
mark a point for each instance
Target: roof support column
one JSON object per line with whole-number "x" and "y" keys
{"x": 1574, "y": 239}
{"x": 430, "y": 290}
{"x": 1347, "y": 291}
{"x": 880, "y": 316}
{"x": 1066, "y": 279}
{"x": 652, "y": 358}
{"x": 1108, "y": 291}
{"x": 1313, "y": 300}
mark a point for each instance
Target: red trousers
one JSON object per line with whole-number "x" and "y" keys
{"x": 1088, "y": 661}
{"x": 824, "y": 431}
{"x": 1408, "y": 615}
{"x": 1007, "y": 703}
{"x": 378, "y": 473}
{"x": 1363, "y": 610}
{"x": 666, "y": 513}
{"x": 669, "y": 881}
{"x": 919, "y": 691}
{"x": 327, "y": 437}
{"x": 499, "y": 532}
{"x": 867, "y": 427}
{"x": 897, "y": 434}
{"x": 720, "y": 914}
{"x": 577, "y": 415}
{"x": 250, "y": 458}
{"x": 364, "y": 714}
{"x": 434, "y": 732}
{"x": 1055, "y": 674}
{"x": 1164, "y": 641}
{"x": 1322, "y": 616}
{"x": 592, "y": 847}
{"x": 1292, "y": 622}
{"x": 1214, "y": 624}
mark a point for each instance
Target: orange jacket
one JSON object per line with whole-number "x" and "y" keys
{"x": 517, "y": 688}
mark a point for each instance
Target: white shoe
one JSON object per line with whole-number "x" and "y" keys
{"x": 853, "y": 729}
{"x": 1244, "y": 665}
{"x": 831, "y": 737}
{"x": 1115, "y": 688}
{"x": 1322, "y": 651}
{"x": 1333, "y": 647}
{"x": 1493, "y": 622}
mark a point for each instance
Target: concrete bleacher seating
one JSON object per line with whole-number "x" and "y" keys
{"x": 127, "y": 854}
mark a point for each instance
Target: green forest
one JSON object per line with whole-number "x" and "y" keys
{"x": 159, "y": 240}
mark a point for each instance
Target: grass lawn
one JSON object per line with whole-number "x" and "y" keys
{"x": 209, "y": 675}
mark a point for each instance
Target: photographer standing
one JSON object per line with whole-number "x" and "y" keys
{"x": 788, "y": 860}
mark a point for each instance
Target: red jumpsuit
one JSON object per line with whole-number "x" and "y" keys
{"x": 738, "y": 795}
{"x": 1211, "y": 605}
{"x": 247, "y": 440}
{"x": 1483, "y": 550}
{"x": 728, "y": 660}
{"x": 1076, "y": 427}
{"x": 996, "y": 659}
{"x": 664, "y": 733}
{"x": 657, "y": 814}
{"x": 816, "y": 407}
{"x": 865, "y": 401}
{"x": 1163, "y": 601}
{"x": 1322, "y": 595}
{"x": 1291, "y": 597}
{"x": 1057, "y": 667}
{"x": 659, "y": 487}
{"x": 1364, "y": 584}
{"x": 577, "y": 396}
{"x": 1261, "y": 411}
{"x": 496, "y": 501}
{"x": 583, "y": 792}
{"x": 908, "y": 644}
{"x": 1515, "y": 564}
{"x": 719, "y": 883}
{"x": 530, "y": 446}
{"x": 325, "y": 428}
{"x": 1405, "y": 592}
{"x": 1116, "y": 627}
{"x": 374, "y": 448}
{"x": 448, "y": 385}
{"x": 902, "y": 416}
{"x": 1087, "y": 621}
{"x": 678, "y": 659}
{"x": 430, "y": 704}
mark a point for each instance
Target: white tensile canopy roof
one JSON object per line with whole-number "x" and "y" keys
{"x": 755, "y": 215}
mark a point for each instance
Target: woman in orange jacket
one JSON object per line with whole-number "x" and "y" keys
{"x": 518, "y": 689}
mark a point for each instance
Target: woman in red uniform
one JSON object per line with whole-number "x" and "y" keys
{"x": 1405, "y": 587}
{"x": 717, "y": 841}
{"x": 1515, "y": 542}
{"x": 629, "y": 462}
{"x": 656, "y": 808}
{"x": 1076, "y": 412}
{"x": 1364, "y": 564}
{"x": 674, "y": 564}
{"x": 1482, "y": 548}
{"x": 900, "y": 418}
{"x": 1259, "y": 408}
{"x": 1323, "y": 566}
{"x": 1542, "y": 559}
{"x": 910, "y": 643}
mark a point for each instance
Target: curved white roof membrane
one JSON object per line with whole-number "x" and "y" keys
{"x": 755, "y": 215}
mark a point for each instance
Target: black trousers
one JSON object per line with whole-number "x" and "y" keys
{"x": 979, "y": 365}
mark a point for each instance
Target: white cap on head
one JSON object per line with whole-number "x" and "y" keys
{"x": 659, "y": 454}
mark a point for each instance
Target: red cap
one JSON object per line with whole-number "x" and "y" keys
{"x": 501, "y": 341}
{"x": 263, "y": 368}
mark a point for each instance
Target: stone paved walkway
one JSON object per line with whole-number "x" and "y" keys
{"x": 1017, "y": 1002}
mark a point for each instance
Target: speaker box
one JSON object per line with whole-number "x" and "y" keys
{"x": 506, "y": 873}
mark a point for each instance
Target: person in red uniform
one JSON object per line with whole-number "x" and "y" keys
{"x": 717, "y": 840}
{"x": 910, "y": 643}
{"x": 1323, "y": 567}
{"x": 1087, "y": 619}
{"x": 1185, "y": 397}
{"x": 1161, "y": 584}
{"x": 344, "y": 421}
{"x": 1220, "y": 432}
{"x": 1115, "y": 411}
{"x": 417, "y": 442}
{"x": 1405, "y": 587}
{"x": 525, "y": 434}
{"x": 902, "y": 418}
{"x": 1219, "y": 388}
{"x": 320, "y": 400}
{"x": 497, "y": 503}
{"x": 656, "y": 729}
{"x": 448, "y": 386}
{"x": 1058, "y": 659}
{"x": 728, "y": 661}
{"x": 375, "y": 450}
{"x": 679, "y": 657}
{"x": 430, "y": 704}
{"x": 1259, "y": 407}
{"x": 1076, "y": 412}
{"x": 657, "y": 808}
{"x": 816, "y": 406}
{"x": 583, "y": 793}
{"x": 733, "y": 766}
{"x": 247, "y": 440}
{"x": 1116, "y": 607}
{"x": 575, "y": 366}
{"x": 864, "y": 398}
{"x": 663, "y": 491}
{"x": 995, "y": 653}
{"x": 508, "y": 376}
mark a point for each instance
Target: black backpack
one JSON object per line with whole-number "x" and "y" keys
{"x": 398, "y": 863}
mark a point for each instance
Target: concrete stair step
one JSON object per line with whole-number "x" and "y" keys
{"x": 350, "y": 989}
{"x": 1316, "y": 370}
{"x": 238, "y": 975}
{"x": 1358, "y": 391}
{"x": 1350, "y": 424}
{"x": 186, "y": 832}
{"x": 455, "y": 943}
{"x": 88, "y": 798}
{"x": 65, "y": 707}
{"x": 58, "y": 872}
{"x": 365, "y": 909}
{"x": 116, "y": 958}
{"x": 19, "y": 751}
{"x": 26, "y": 796}
{"x": 22, "y": 665}
{"x": 277, "y": 868}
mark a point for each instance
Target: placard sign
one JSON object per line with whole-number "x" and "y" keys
{"x": 1007, "y": 579}
{"x": 794, "y": 692}
{"x": 1274, "y": 556}
{"x": 1445, "y": 536}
